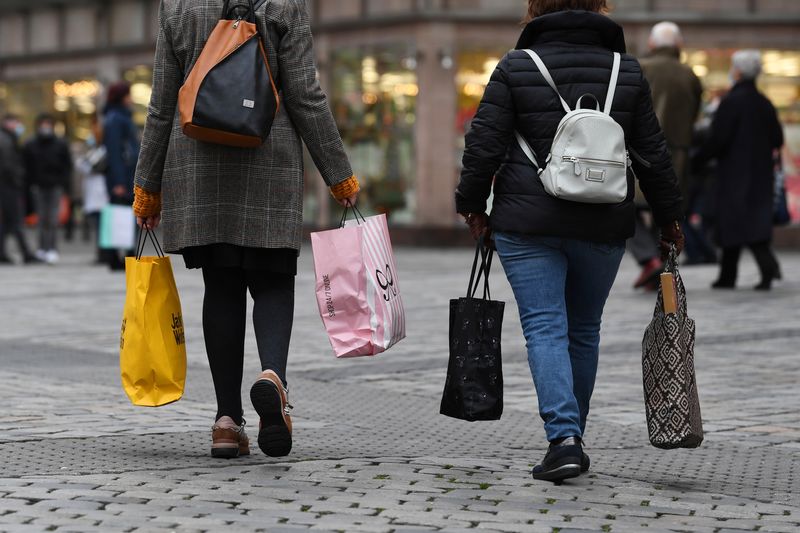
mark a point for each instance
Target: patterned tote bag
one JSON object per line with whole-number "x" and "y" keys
{"x": 474, "y": 387}
{"x": 670, "y": 388}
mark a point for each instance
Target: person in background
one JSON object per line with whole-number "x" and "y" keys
{"x": 702, "y": 211}
{"x": 121, "y": 141}
{"x": 745, "y": 135}
{"x": 236, "y": 213}
{"x": 48, "y": 163}
{"x": 561, "y": 258}
{"x": 677, "y": 96}
{"x": 93, "y": 165}
{"x": 12, "y": 187}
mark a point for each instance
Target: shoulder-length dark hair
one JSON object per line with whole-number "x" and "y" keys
{"x": 537, "y": 8}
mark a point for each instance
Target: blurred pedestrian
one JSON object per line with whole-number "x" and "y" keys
{"x": 746, "y": 133}
{"x": 236, "y": 213}
{"x": 701, "y": 212}
{"x": 48, "y": 163}
{"x": 677, "y": 94}
{"x": 121, "y": 141}
{"x": 12, "y": 189}
{"x": 562, "y": 257}
{"x": 92, "y": 165}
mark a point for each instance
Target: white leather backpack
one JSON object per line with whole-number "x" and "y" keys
{"x": 588, "y": 161}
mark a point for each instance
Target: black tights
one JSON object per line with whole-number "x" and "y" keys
{"x": 224, "y": 323}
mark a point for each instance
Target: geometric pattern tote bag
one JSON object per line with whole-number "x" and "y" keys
{"x": 670, "y": 387}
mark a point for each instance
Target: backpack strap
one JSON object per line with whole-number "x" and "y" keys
{"x": 612, "y": 87}
{"x": 548, "y": 78}
{"x": 527, "y": 150}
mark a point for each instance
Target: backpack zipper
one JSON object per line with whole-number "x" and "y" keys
{"x": 576, "y": 161}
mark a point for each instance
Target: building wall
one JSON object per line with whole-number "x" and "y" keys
{"x": 404, "y": 76}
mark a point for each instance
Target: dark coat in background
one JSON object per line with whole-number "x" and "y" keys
{"x": 745, "y": 134}
{"x": 677, "y": 95}
{"x": 48, "y": 162}
{"x": 121, "y": 139}
{"x": 12, "y": 168}
{"x": 218, "y": 194}
{"x": 577, "y": 48}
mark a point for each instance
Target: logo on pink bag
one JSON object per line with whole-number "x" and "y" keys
{"x": 326, "y": 282}
{"x": 386, "y": 283}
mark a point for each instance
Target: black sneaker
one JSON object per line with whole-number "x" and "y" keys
{"x": 586, "y": 463}
{"x": 564, "y": 460}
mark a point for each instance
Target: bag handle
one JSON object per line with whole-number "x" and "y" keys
{"x": 486, "y": 255}
{"x": 356, "y": 213}
{"x": 145, "y": 232}
{"x": 579, "y": 105}
{"x": 671, "y": 267}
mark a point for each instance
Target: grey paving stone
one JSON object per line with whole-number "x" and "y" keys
{"x": 79, "y": 444}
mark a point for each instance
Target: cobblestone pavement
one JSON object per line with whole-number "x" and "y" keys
{"x": 371, "y": 452}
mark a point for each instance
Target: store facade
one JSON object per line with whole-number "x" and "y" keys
{"x": 453, "y": 47}
{"x": 58, "y": 57}
{"x": 404, "y": 76}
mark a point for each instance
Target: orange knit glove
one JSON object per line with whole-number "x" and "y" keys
{"x": 346, "y": 189}
{"x": 146, "y": 204}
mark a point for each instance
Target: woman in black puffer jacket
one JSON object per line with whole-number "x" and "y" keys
{"x": 562, "y": 257}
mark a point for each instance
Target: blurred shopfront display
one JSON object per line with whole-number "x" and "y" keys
{"x": 404, "y": 77}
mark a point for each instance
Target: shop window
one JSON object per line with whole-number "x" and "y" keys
{"x": 374, "y": 96}
{"x": 141, "y": 80}
{"x": 475, "y": 68}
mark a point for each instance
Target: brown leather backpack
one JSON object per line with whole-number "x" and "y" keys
{"x": 230, "y": 97}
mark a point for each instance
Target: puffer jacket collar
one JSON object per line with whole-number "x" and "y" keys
{"x": 574, "y": 27}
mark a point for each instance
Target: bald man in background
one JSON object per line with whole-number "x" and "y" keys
{"x": 677, "y": 95}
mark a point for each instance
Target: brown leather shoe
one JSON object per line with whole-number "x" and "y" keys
{"x": 229, "y": 440}
{"x": 271, "y": 403}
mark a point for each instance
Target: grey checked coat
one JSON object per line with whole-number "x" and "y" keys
{"x": 218, "y": 194}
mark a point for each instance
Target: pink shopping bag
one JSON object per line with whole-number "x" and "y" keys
{"x": 358, "y": 292}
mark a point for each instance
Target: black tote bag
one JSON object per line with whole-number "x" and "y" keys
{"x": 474, "y": 387}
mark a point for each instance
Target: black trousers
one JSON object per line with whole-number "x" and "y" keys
{"x": 644, "y": 244}
{"x": 767, "y": 262}
{"x": 224, "y": 323}
{"x": 11, "y": 221}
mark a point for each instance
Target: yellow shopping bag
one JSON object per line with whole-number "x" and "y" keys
{"x": 152, "y": 341}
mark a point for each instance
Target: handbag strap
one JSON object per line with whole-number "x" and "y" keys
{"x": 486, "y": 255}
{"x": 145, "y": 232}
{"x": 356, "y": 213}
{"x": 671, "y": 266}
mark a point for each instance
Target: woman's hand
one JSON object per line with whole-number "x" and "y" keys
{"x": 150, "y": 223}
{"x": 671, "y": 234}
{"x": 478, "y": 225}
{"x": 349, "y": 201}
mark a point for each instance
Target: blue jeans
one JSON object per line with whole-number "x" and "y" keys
{"x": 561, "y": 287}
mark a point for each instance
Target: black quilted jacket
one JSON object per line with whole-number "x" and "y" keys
{"x": 577, "y": 48}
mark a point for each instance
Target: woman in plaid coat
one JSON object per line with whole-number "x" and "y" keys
{"x": 236, "y": 213}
